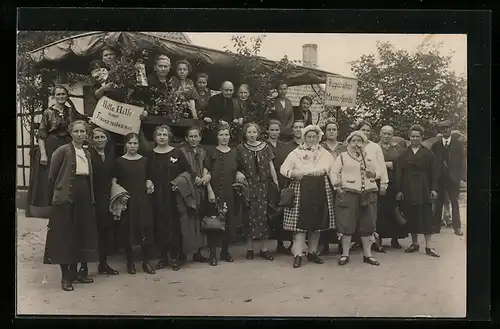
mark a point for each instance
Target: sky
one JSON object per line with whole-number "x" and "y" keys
{"x": 335, "y": 50}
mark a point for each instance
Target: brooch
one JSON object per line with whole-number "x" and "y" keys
{"x": 173, "y": 160}
{"x": 306, "y": 157}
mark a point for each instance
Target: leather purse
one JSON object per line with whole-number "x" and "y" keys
{"x": 213, "y": 223}
{"x": 287, "y": 198}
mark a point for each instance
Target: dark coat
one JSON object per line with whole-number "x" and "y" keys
{"x": 284, "y": 115}
{"x": 220, "y": 108}
{"x": 280, "y": 157}
{"x": 102, "y": 185}
{"x": 62, "y": 173}
{"x": 299, "y": 115}
{"x": 416, "y": 175}
{"x": 455, "y": 161}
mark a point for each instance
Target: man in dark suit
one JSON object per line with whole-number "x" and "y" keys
{"x": 450, "y": 155}
{"x": 283, "y": 112}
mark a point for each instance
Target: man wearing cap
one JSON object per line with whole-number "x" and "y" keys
{"x": 450, "y": 154}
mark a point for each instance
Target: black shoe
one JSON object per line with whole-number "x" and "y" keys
{"x": 82, "y": 276}
{"x": 378, "y": 248}
{"x": 212, "y": 261}
{"x": 250, "y": 254}
{"x": 162, "y": 263}
{"x": 343, "y": 260}
{"x": 412, "y": 248}
{"x": 197, "y": 257}
{"x": 67, "y": 285}
{"x": 371, "y": 261}
{"x": 146, "y": 267}
{"x": 226, "y": 256}
{"x": 297, "y": 261}
{"x": 131, "y": 268}
{"x": 106, "y": 269}
{"x": 395, "y": 244}
{"x": 281, "y": 249}
{"x": 314, "y": 258}
{"x": 175, "y": 265}
{"x": 431, "y": 252}
{"x": 458, "y": 232}
{"x": 266, "y": 255}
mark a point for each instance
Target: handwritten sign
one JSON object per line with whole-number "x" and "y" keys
{"x": 341, "y": 91}
{"x": 120, "y": 118}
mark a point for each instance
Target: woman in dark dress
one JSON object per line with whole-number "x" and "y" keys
{"x": 416, "y": 186}
{"x": 102, "y": 163}
{"x": 52, "y": 133}
{"x": 255, "y": 161}
{"x": 223, "y": 167}
{"x": 165, "y": 164}
{"x": 72, "y": 230}
{"x": 137, "y": 222}
{"x": 387, "y": 224}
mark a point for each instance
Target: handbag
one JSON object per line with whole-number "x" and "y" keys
{"x": 287, "y": 197}
{"x": 213, "y": 223}
{"x": 215, "y": 220}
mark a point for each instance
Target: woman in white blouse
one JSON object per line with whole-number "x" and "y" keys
{"x": 375, "y": 151}
{"x": 309, "y": 167}
{"x": 354, "y": 174}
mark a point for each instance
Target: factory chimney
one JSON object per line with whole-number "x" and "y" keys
{"x": 310, "y": 55}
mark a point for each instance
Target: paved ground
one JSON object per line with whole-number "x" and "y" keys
{"x": 405, "y": 285}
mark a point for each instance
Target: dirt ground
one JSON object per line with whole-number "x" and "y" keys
{"x": 405, "y": 285}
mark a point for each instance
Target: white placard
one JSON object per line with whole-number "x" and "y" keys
{"x": 120, "y": 118}
{"x": 341, "y": 91}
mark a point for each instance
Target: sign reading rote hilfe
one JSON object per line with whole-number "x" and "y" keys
{"x": 341, "y": 91}
{"x": 120, "y": 118}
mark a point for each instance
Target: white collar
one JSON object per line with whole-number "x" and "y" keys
{"x": 446, "y": 140}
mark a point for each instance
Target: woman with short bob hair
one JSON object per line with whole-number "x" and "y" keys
{"x": 416, "y": 185}
{"x": 309, "y": 167}
{"x": 72, "y": 230}
{"x": 356, "y": 197}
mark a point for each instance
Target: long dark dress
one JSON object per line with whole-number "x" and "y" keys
{"x": 223, "y": 168}
{"x": 254, "y": 163}
{"x": 102, "y": 193}
{"x": 387, "y": 225}
{"x": 164, "y": 168}
{"x": 137, "y": 221}
{"x": 416, "y": 177}
{"x": 53, "y": 130}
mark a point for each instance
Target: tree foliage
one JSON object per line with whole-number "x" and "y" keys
{"x": 262, "y": 81}
{"x": 400, "y": 88}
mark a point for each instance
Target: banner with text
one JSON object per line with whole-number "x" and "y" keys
{"x": 120, "y": 118}
{"x": 341, "y": 91}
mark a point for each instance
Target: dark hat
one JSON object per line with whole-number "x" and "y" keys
{"x": 445, "y": 124}
{"x": 97, "y": 64}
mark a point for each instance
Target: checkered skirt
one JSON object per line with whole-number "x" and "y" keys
{"x": 291, "y": 215}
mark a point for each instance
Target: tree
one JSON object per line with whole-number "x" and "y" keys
{"x": 400, "y": 88}
{"x": 262, "y": 82}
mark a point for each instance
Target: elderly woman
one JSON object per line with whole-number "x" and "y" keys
{"x": 375, "y": 151}
{"x": 416, "y": 185}
{"x": 309, "y": 166}
{"x": 387, "y": 225}
{"x": 52, "y": 133}
{"x": 354, "y": 177}
{"x": 242, "y": 102}
{"x": 72, "y": 230}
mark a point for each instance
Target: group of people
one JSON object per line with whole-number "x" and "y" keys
{"x": 294, "y": 180}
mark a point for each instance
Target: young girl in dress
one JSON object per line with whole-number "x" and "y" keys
{"x": 137, "y": 223}
{"x": 255, "y": 161}
{"x": 183, "y": 86}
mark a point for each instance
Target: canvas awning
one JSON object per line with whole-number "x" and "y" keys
{"x": 74, "y": 54}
